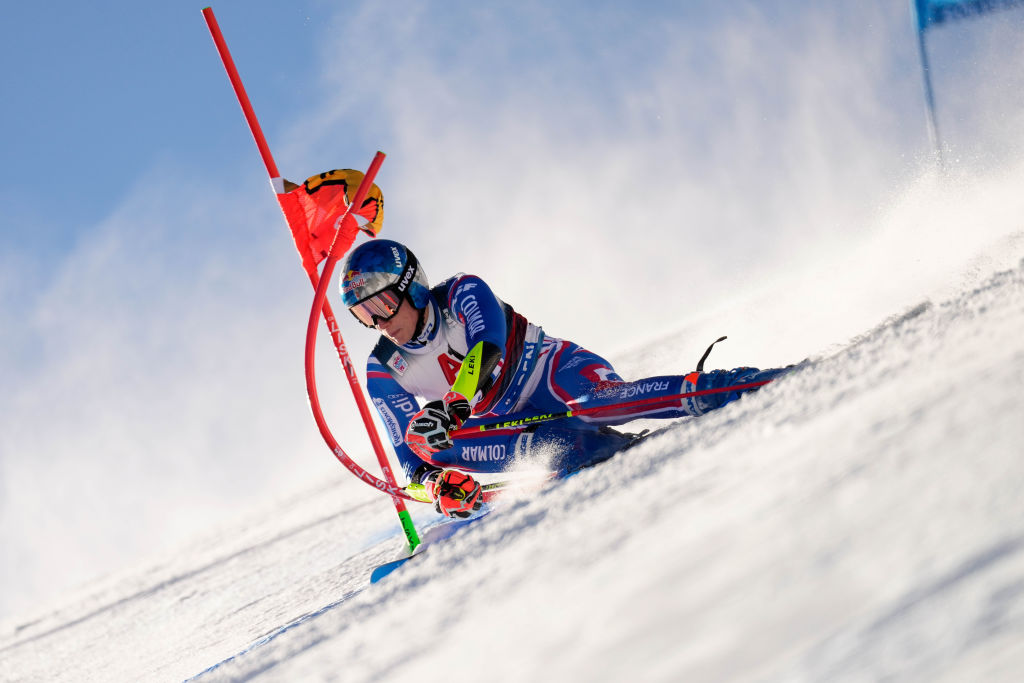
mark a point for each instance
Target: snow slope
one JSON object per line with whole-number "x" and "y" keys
{"x": 861, "y": 519}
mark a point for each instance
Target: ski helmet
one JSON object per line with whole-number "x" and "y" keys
{"x": 379, "y": 274}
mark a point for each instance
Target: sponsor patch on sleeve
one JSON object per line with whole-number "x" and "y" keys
{"x": 397, "y": 438}
{"x": 397, "y": 363}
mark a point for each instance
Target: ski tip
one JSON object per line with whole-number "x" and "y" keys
{"x": 386, "y": 568}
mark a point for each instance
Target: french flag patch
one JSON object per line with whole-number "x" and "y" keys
{"x": 397, "y": 363}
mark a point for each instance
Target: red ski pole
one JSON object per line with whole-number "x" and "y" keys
{"x": 515, "y": 422}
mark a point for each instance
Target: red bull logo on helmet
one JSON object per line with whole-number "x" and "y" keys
{"x": 353, "y": 280}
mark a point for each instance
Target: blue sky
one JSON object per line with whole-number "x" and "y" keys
{"x": 616, "y": 172}
{"x": 103, "y": 92}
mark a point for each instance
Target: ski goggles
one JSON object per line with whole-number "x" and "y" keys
{"x": 377, "y": 307}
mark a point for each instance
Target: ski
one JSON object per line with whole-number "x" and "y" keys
{"x": 439, "y": 532}
{"x": 447, "y": 528}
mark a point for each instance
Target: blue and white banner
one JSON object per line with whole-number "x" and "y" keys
{"x": 935, "y": 12}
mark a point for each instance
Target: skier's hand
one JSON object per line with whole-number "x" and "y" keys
{"x": 457, "y": 407}
{"x": 455, "y": 493}
{"x": 428, "y": 431}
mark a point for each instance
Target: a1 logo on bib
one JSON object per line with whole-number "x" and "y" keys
{"x": 450, "y": 367}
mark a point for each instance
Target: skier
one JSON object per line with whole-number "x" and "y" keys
{"x": 470, "y": 355}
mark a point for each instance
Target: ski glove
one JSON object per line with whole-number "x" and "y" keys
{"x": 428, "y": 431}
{"x": 455, "y": 494}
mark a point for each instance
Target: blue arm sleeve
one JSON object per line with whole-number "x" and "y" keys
{"x": 475, "y": 305}
{"x": 396, "y": 407}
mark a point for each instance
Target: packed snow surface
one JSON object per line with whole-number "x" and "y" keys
{"x": 859, "y": 519}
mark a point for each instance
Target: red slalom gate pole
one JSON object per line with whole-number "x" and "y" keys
{"x": 243, "y": 98}
{"x": 389, "y": 485}
{"x": 319, "y": 300}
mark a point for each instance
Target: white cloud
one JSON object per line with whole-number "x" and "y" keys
{"x": 638, "y": 169}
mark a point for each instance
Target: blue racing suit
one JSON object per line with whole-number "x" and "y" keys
{"x": 536, "y": 374}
